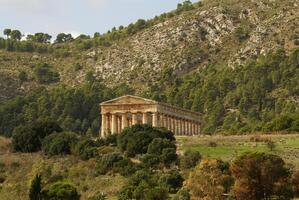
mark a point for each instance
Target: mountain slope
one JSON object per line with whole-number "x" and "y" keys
{"x": 226, "y": 33}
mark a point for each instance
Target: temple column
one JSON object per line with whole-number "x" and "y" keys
{"x": 113, "y": 124}
{"x": 155, "y": 119}
{"x": 118, "y": 124}
{"x": 165, "y": 121}
{"x": 168, "y": 122}
{"x": 190, "y": 127}
{"x": 104, "y": 123}
{"x": 134, "y": 119}
{"x": 144, "y": 118}
{"x": 197, "y": 129}
{"x": 179, "y": 124}
{"x": 174, "y": 126}
{"x": 124, "y": 121}
{"x": 187, "y": 127}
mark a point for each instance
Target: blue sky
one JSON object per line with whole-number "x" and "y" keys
{"x": 77, "y": 16}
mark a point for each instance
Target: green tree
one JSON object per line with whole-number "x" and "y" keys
{"x": 259, "y": 176}
{"x": 15, "y": 35}
{"x": 209, "y": 180}
{"x": 62, "y": 37}
{"x": 60, "y": 191}
{"x": 59, "y": 143}
{"x": 136, "y": 139}
{"x": 36, "y": 188}
{"x": 7, "y": 32}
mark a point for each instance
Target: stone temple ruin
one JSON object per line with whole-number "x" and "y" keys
{"x": 128, "y": 110}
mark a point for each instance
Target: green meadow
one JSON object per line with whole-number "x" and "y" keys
{"x": 228, "y": 147}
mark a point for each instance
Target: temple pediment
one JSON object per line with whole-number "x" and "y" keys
{"x": 128, "y": 100}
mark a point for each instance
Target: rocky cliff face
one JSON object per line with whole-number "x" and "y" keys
{"x": 200, "y": 37}
{"x": 226, "y": 34}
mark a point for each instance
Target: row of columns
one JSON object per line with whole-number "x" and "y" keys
{"x": 115, "y": 123}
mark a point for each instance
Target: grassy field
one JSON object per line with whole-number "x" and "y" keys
{"x": 228, "y": 147}
{"x": 18, "y": 169}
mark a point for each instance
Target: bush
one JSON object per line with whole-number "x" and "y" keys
{"x": 241, "y": 34}
{"x": 60, "y": 191}
{"x": 115, "y": 163}
{"x": 24, "y": 139}
{"x": 135, "y": 140}
{"x": 189, "y": 159}
{"x": 150, "y": 161}
{"x": 158, "y": 144}
{"x": 98, "y": 196}
{"x": 44, "y": 74}
{"x": 87, "y": 149}
{"x": 173, "y": 181}
{"x": 143, "y": 185}
{"x": 59, "y": 143}
{"x": 23, "y": 76}
{"x": 182, "y": 194}
{"x": 29, "y": 138}
{"x": 169, "y": 156}
{"x": 295, "y": 183}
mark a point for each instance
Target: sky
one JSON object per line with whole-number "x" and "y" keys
{"x": 77, "y": 16}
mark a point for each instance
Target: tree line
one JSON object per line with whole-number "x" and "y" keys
{"x": 41, "y": 42}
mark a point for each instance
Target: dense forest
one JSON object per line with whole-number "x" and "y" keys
{"x": 257, "y": 97}
{"x": 261, "y": 96}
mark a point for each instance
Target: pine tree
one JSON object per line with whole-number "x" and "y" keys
{"x": 35, "y": 188}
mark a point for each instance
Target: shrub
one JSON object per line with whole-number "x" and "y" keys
{"x": 150, "y": 161}
{"x": 173, "y": 181}
{"x": 23, "y": 76}
{"x": 295, "y": 183}
{"x": 98, "y": 196}
{"x": 143, "y": 185}
{"x": 158, "y": 145}
{"x": 241, "y": 33}
{"x": 44, "y": 74}
{"x": 115, "y": 163}
{"x": 2, "y": 179}
{"x": 60, "y": 191}
{"x": 212, "y": 144}
{"x": 29, "y": 138}
{"x": 169, "y": 156}
{"x": 111, "y": 140}
{"x": 24, "y": 139}
{"x": 135, "y": 140}
{"x": 182, "y": 194}
{"x": 59, "y": 143}
{"x": 189, "y": 159}
{"x": 87, "y": 149}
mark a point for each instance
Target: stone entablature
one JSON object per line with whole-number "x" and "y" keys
{"x": 128, "y": 110}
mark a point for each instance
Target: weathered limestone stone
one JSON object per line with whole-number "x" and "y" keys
{"x": 128, "y": 110}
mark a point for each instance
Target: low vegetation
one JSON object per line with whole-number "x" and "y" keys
{"x": 68, "y": 161}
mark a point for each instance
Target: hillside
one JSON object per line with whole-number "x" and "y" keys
{"x": 213, "y": 33}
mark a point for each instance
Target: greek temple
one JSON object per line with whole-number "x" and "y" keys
{"x": 128, "y": 110}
